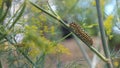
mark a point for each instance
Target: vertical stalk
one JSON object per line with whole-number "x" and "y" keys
{"x": 117, "y": 16}
{"x": 103, "y": 37}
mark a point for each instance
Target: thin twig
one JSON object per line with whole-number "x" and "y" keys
{"x": 65, "y": 37}
{"x": 51, "y": 8}
{"x": 57, "y": 18}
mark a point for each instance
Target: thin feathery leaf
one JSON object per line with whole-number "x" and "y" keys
{"x": 2, "y": 18}
{"x": 2, "y": 32}
{"x": 0, "y": 64}
{"x": 14, "y": 15}
{"x": 53, "y": 16}
{"x": 1, "y": 9}
{"x": 19, "y": 15}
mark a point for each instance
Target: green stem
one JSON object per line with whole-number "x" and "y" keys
{"x": 67, "y": 26}
{"x": 99, "y": 54}
{"x": 2, "y": 18}
{"x": 19, "y": 15}
{"x": 51, "y": 9}
{"x": 65, "y": 37}
{"x": 1, "y": 64}
{"x": 21, "y": 51}
{"x": 13, "y": 16}
{"x": 96, "y": 52}
{"x": 117, "y": 15}
{"x": 57, "y": 18}
{"x": 103, "y": 36}
{"x": 25, "y": 55}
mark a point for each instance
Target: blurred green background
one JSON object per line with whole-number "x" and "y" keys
{"x": 29, "y": 37}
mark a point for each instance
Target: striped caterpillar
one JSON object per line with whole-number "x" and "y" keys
{"x": 81, "y": 33}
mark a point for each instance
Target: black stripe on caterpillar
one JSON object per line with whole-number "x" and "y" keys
{"x": 81, "y": 33}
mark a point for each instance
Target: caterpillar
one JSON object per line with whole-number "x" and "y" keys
{"x": 81, "y": 33}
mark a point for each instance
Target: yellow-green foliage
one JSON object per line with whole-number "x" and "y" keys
{"x": 38, "y": 43}
{"x": 36, "y": 36}
{"x": 69, "y": 3}
{"x": 116, "y": 64}
{"x": 108, "y": 26}
{"x": 1, "y": 3}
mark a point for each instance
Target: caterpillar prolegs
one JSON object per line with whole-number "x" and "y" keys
{"x": 81, "y": 33}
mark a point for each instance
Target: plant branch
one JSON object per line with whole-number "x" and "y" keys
{"x": 67, "y": 26}
{"x": 65, "y": 37}
{"x": 57, "y": 18}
